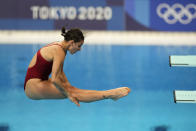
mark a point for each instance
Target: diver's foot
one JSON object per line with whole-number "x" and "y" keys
{"x": 117, "y": 93}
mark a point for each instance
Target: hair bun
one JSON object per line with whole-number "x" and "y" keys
{"x": 63, "y": 31}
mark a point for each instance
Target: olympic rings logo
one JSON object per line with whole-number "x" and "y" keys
{"x": 177, "y": 12}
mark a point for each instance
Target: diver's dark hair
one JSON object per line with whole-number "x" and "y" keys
{"x": 74, "y": 34}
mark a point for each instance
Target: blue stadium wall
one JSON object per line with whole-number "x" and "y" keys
{"x": 142, "y": 15}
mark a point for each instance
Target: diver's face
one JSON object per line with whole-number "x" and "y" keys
{"x": 75, "y": 46}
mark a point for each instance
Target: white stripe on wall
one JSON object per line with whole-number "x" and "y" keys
{"x": 101, "y": 37}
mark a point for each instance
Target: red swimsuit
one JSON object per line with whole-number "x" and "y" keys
{"x": 41, "y": 69}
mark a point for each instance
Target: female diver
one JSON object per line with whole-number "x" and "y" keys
{"x": 50, "y": 59}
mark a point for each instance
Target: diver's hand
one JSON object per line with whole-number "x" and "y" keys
{"x": 70, "y": 96}
{"x": 74, "y": 100}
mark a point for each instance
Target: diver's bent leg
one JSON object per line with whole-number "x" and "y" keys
{"x": 48, "y": 90}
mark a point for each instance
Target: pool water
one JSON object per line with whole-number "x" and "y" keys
{"x": 145, "y": 69}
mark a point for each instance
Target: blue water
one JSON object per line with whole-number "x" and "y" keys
{"x": 145, "y": 69}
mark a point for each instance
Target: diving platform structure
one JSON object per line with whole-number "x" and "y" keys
{"x": 183, "y": 96}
